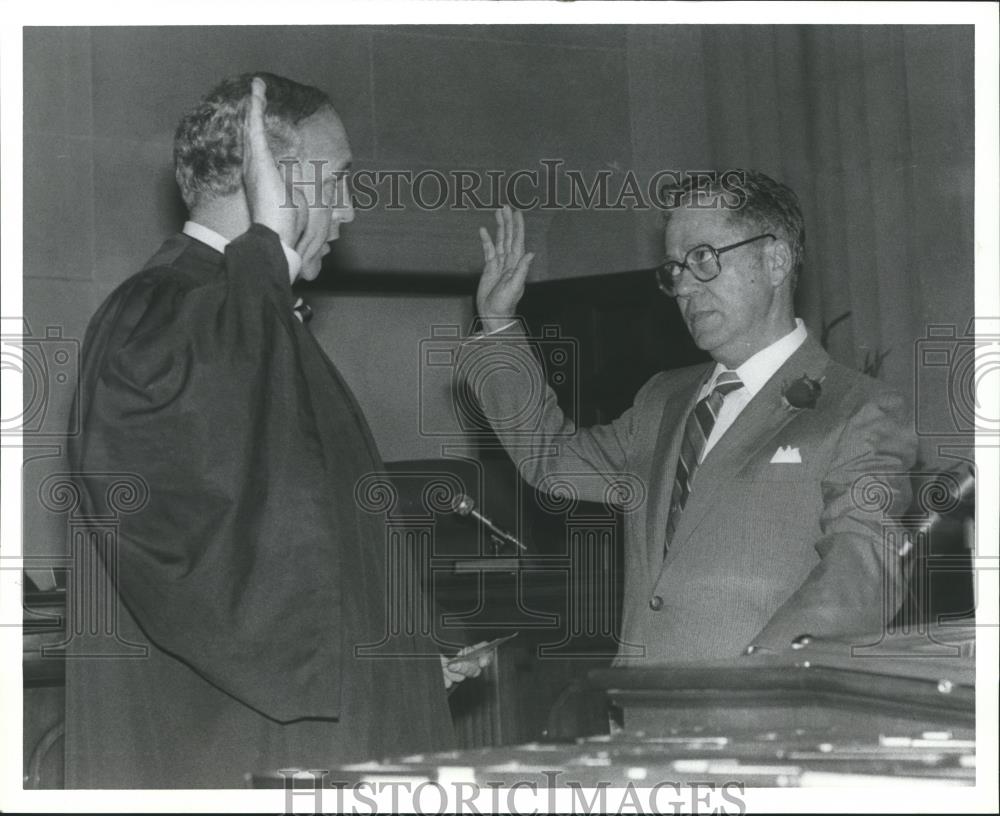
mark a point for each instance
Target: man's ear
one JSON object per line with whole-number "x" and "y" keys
{"x": 780, "y": 257}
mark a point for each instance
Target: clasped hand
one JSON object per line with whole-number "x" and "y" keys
{"x": 455, "y": 669}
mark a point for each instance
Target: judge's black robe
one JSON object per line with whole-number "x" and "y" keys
{"x": 251, "y": 571}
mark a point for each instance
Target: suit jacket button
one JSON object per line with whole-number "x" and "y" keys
{"x": 656, "y": 603}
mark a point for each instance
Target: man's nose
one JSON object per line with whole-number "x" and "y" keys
{"x": 686, "y": 283}
{"x": 343, "y": 213}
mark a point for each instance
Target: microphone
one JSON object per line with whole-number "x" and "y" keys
{"x": 464, "y": 505}
{"x": 961, "y": 493}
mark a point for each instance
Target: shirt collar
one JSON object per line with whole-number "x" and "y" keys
{"x": 756, "y": 371}
{"x": 211, "y": 238}
{"x": 207, "y": 236}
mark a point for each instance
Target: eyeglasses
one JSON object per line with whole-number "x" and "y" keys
{"x": 703, "y": 261}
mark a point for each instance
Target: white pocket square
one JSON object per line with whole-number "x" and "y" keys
{"x": 786, "y": 456}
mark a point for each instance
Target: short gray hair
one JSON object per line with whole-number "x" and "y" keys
{"x": 208, "y": 143}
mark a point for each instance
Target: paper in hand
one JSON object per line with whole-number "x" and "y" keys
{"x": 475, "y": 654}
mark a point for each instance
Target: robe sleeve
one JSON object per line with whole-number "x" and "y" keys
{"x": 195, "y": 387}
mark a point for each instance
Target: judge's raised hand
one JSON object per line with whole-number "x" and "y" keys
{"x": 505, "y": 269}
{"x": 262, "y": 180}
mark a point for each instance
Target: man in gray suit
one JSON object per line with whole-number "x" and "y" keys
{"x": 756, "y": 526}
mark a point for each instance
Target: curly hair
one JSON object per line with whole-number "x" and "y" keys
{"x": 208, "y": 142}
{"x": 754, "y": 198}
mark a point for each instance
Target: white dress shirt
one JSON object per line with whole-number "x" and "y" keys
{"x": 754, "y": 373}
{"x": 210, "y": 237}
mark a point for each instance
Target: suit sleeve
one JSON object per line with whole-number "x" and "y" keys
{"x": 509, "y": 383}
{"x": 228, "y": 565}
{"x": 857, "y": 585}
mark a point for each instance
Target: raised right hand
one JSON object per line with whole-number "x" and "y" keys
{"x": 505, "y": 269}
{"x": 262, "y": 180}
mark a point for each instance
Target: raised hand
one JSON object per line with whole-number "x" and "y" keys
{"x": 262, "y": 181}
{"x": 505, "y": 269}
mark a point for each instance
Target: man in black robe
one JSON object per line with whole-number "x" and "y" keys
{"x": 250, "y": 574}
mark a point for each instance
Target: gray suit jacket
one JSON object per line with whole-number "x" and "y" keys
{"x": 763, "y": 551}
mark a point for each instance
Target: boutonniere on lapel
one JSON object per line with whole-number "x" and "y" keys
{"x": 801, "y": 393}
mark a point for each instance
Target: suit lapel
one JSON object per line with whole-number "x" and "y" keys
{"x": 756, "y": 426}
{"x": 668, "y": 445}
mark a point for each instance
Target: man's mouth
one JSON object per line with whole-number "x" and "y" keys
{"x": 693, "y": 315}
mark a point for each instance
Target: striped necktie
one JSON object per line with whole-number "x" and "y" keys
{"x": 697, "y": 429}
